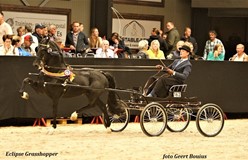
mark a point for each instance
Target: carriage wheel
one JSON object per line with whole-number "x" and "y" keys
{"x": 153, "y": 119}
{"x": 178, "y": 118}
{"x": 210, "y": 120}
{"x": 119, "y": 122}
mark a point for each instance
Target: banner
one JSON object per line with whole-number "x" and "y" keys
{"x": 17, "y": 19}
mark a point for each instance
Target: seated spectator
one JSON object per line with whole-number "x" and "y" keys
{"x": 176, "y": 54}
{"x": 143, "y": 46}
{"x": 18, "y": 51}
{"x": 39, "y": 31}
{"x": 154, "y": 52}
{"x": 52, "y": 30}
{"x": 119, "y": 46}
{"x": 175, "y": 74}
{"x": 7, "y": 49}
{"x": 155, "y": 35}
{"x": 240, "y": 56}
{"x": 28, "y": 31}
{"x": 94, "y": 40}
{"x": 105, "y": 51}
{"x": 28, "y": 40}
{"x": 217, "y": 54}
{"x": 59, "y": 42}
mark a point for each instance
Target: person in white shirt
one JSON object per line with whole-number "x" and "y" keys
{"x": 105, "y": 51}
{"x": 5, "y": 28}
{"x": 240, "y": 56}
{"x": 7, "y": 49}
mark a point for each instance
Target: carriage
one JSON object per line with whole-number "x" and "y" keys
{"x": 57, "y": 79}
{"x": 173, "y": 112}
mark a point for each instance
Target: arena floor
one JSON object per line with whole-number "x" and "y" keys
{"x": 94, "y": 142}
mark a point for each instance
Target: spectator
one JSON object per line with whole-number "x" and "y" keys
{"x": 143, "y": 46}
{"x": 28, "y": 40}
{"x": 18, "y": 51}
{"x": 217, "y": 54}
{"x": 52, "y": 30}
{"x": 20, "y": 31}
{"x": 76, "y": 40}
{"x": 155, "y": 35}
{"x": 240, "y": 56}
{"x": 7, "y": 49}
{"x": 39, "y": 32}
{"x": 172, "y": 37}
{"x": 187, "y": 38}
{"x": 105, "y": 51}
{"x": 5, "y": 28}
{"x": 213, "y": 41}
{"x": 28, "y": 31}
{"x": 176, "y": 73}
{"x": 119, "y": 46}
{"x": 154, "y": 52}
{"x": 81, "y": 27}
{"x": 176, "y": 54}
{"x": 94, "y": 40}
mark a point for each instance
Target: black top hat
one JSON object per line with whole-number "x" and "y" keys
{"x": 186, "y": 48}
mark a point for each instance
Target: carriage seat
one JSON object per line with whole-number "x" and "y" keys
{"x": 177, "y": 90}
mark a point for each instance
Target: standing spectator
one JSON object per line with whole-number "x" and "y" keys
{"x": 6, "y": 49}
{"x": 172, "y": 37}
{"x": 94, "y": 40}
{"x": 240, "y": 56}
{"x": 28, "y": 40}
{"x": 18, "y": 51}
{"x": 187, "y": 38}
{"x": 154, "y": 52}
{"x": 39, "y": 31}
{"x": 52, "y": 30}
{"x": 213, "y": 41}
{"x": 28, "y": 31}
{"x": 5, "y": 28}
{"x": 81, "y": 27}
{"x": 76, "y": 40}
{"x": 105, "y": 51}
{"x": 217, "y": 54}
{"x": 143, "y": 46}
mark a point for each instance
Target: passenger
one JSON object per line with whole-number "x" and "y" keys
{"x": 209, "y": 46}
{"x": 143, "y": 46}
{"x": 154, "y": 52}
{"x": 105, "y": 51}
{"x": 217, "y": 54}
{"x": 240, "y": 56}
{"x": 176, "y": 73}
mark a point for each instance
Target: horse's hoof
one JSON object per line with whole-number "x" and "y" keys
{"x": 74, "y": 116}
{"x": 25, "y": 95}
{"x": 50, "y": 131}
{"x": 108, "y": 130}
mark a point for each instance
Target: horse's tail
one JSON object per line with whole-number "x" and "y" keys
{"x": 112, "y": 99}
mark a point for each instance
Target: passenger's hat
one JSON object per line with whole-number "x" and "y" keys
{"x": 186, "y": 48}
{"x": 29, "y": 38}
{"x": 39, "y": 26}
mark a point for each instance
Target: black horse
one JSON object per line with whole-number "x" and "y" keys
{"x": 57, "y": 79}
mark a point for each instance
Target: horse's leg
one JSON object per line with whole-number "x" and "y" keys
{"x": 103, "y": 108}
{"x": 27, "y": 80}
{"x": 55, "y": 110}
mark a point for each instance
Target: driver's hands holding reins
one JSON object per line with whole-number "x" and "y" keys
{"x": 168, "y": 70}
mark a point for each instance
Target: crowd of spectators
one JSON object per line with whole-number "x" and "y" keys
{"x": 159, "y": 45}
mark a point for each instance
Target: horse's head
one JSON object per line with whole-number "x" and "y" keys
{"x": 49, "y": 54}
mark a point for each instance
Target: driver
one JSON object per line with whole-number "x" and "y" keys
{"x": 176, "y": 73}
